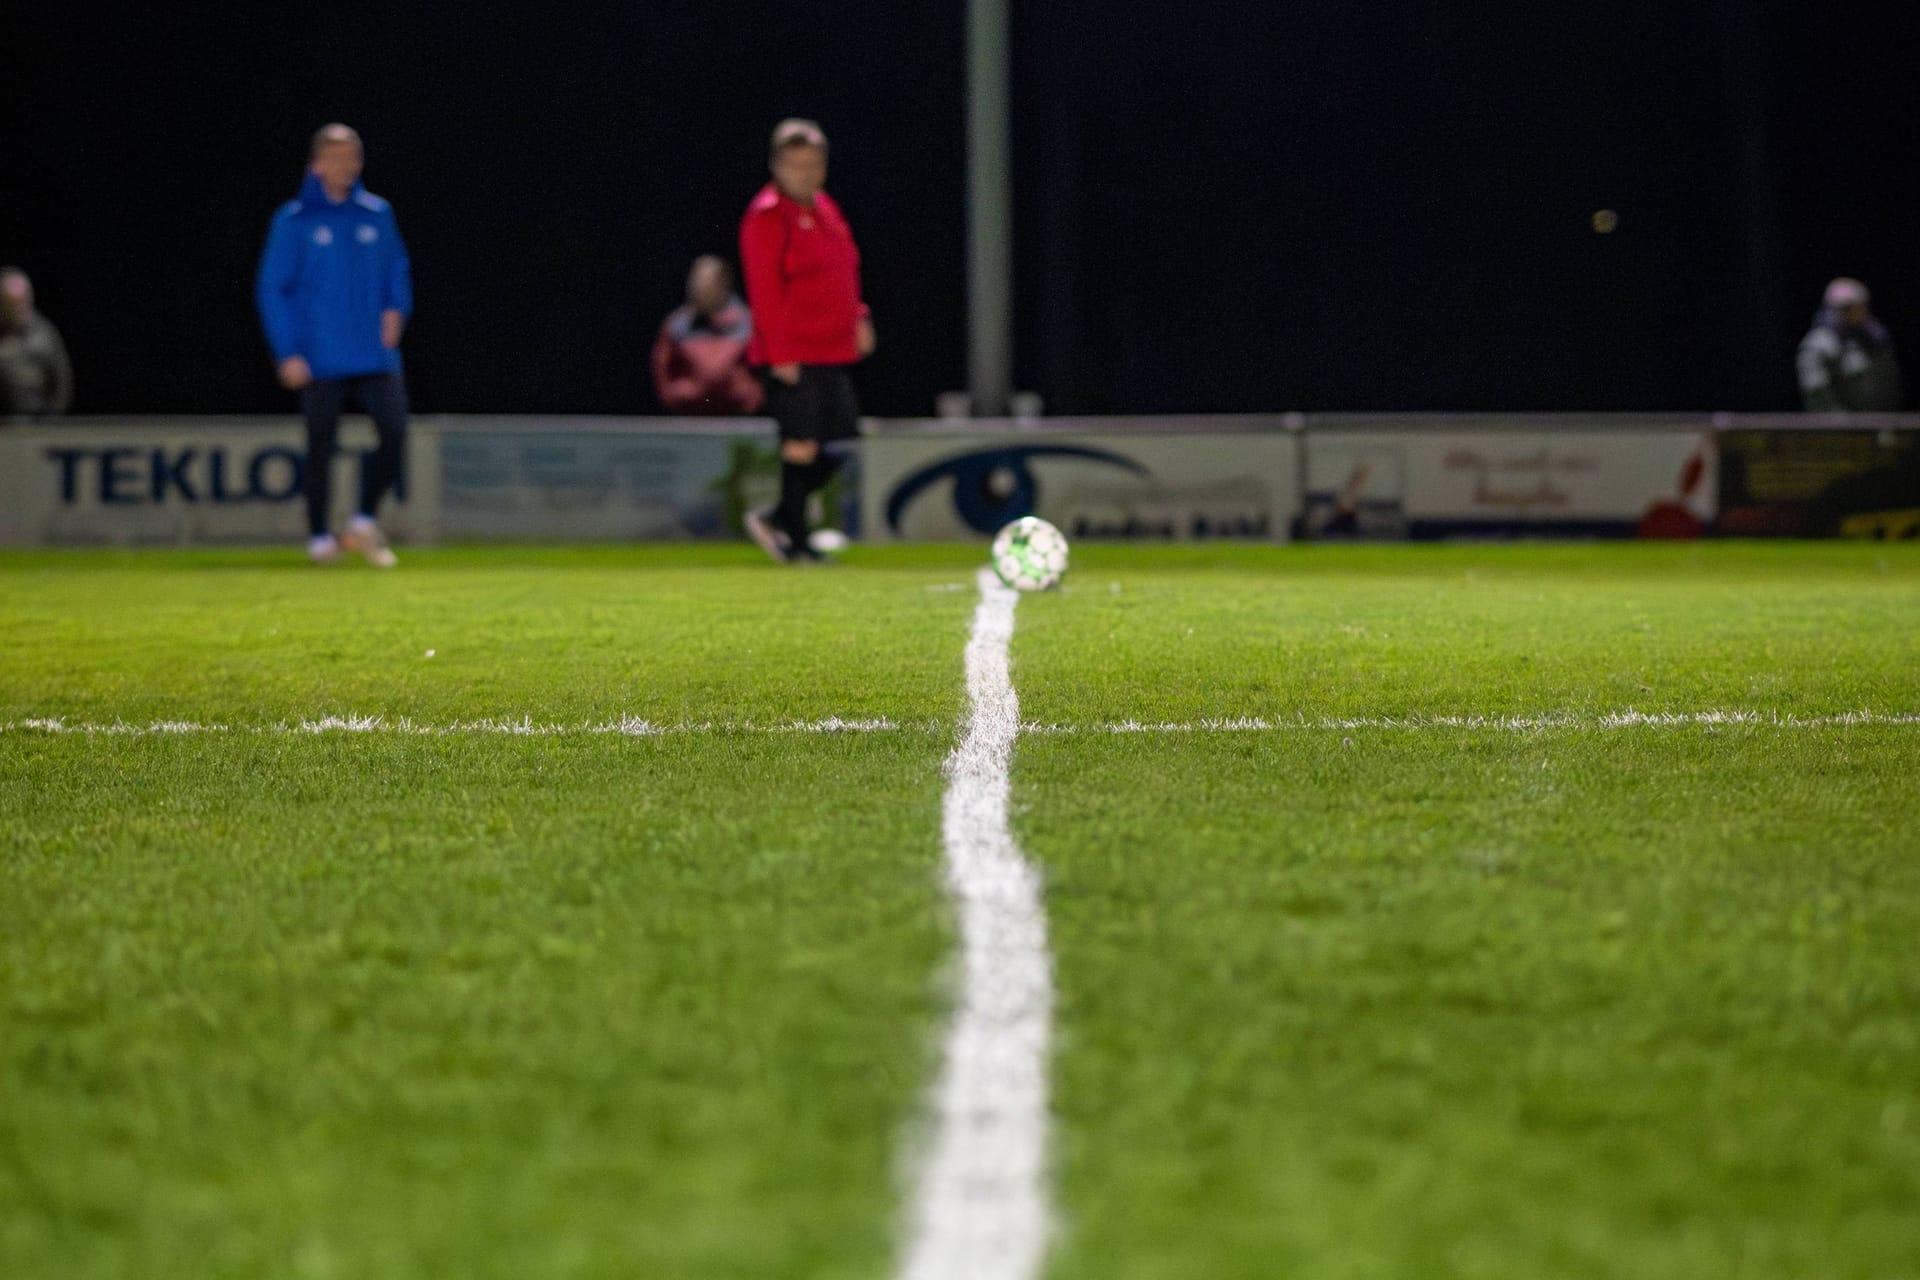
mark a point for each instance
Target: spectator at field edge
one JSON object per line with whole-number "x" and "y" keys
{"x": 36, "y": 379}
{"x": 1847, "y": 361}
{"x": 334, "y": 292}
{"x": 802, "y": 270}
{"x": 700, "y": 356}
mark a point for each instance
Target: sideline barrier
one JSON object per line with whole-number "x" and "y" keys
{"x": 1483, "y": 476}
{"x": 190, "y": 482}
{"x": 603, "y": 479}
{"x": 215, "y": 480}
{"x": 1822, "y": 476}
{"x": 1149, "y": 478}
{"x": 183, "y": 481}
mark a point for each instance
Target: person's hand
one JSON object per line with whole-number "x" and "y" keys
{"x": 294, "y": 373}
{"x": 787, "y": 373}
{"x": 864, "y": 338}
{"x": 391, "y": 323}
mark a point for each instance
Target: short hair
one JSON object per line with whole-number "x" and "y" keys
{"x": 328, "y": 134}
{"x": 15, "y": 281}
{"x": 797, "y": 132}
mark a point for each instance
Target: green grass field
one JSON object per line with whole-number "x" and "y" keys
{"x": 1455, "y": 912}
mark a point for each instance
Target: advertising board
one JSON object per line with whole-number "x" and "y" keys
{"x": 1463, "y": 480}
{"x": 1820, "y": 483}
{"x": 619, "y": 480}
{"x": 1165, "y": 483}
{"x": 185, "y": 481}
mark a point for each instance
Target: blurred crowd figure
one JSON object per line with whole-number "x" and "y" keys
{"x": 36, "y": 379}
{"x": 1847, "y": 362}
{"x": 700, "y": 356}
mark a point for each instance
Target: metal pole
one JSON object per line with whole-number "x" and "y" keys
{"x": 989, "y": 211}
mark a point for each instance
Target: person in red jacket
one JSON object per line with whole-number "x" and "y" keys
{"x": 700, "y": 356}
{"x": 802, "y": 271}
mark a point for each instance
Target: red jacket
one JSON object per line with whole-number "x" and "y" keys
{"x": 802, "y": 272}
{"x": 700, "y": 366}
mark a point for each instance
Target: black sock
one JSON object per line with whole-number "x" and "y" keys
{"x": 791, "y": 514}
{"x": 820, "y": 474}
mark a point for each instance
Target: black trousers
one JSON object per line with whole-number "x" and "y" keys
{"x": 383, "y": 397}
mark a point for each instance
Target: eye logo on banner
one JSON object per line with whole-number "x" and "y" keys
{"x": 993, "y": 486}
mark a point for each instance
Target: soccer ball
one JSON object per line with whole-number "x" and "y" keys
{"x": 1030, "y": 554}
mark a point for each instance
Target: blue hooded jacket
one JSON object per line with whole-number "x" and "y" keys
{"x": 328, "y": 272}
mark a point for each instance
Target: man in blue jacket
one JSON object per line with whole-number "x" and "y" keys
{"x": 334, "y": 292}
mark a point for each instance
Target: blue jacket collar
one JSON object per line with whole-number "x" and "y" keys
{"x": 314, "y": 196}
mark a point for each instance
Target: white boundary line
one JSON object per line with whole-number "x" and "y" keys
{"x": 979, "y": 1207}
{"x": 526, "y": 727}
{"x": 1628, "y": 719}
{"x": 636, "y": 727}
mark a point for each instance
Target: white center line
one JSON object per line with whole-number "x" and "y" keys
{"x": 979, "y": 1209}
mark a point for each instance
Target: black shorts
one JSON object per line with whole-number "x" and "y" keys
{"x": 821, "y": 407}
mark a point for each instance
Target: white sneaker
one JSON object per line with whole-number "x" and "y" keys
{"x": 364, "y": 536}
{"x": 324, "y": 549}
{"x": 770, "y": 539}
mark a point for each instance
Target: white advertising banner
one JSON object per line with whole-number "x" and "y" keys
{"x": 1454, "y": 480}
{"x": 185, "y": 481}
{"x": 1169, "y": 482}
{"x": 614, "y": 479}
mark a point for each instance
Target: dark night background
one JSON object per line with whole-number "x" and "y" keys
{"x": 1221, "y": 205}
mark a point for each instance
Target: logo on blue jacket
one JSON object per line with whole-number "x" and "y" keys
{"x": 993, "y": 486}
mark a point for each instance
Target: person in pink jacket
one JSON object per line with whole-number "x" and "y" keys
{"x": 700, "y": 355}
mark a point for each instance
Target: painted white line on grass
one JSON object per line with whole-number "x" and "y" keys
{"x": 637, "y": 727}
{"x": 979, "y": 1208}
{"x": 629, "y": 726}
{"x": 152, "y": 727}
{"x": 1507, "y": 724}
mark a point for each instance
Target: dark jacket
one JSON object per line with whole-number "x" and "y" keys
{"x": 36, "y": 380}
{"x": 1848, "y": 370}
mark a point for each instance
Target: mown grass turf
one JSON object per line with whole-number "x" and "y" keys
{"x": 1478, "y": 630}
{"x": 1637, "y": 1003}
{"x": 1632, "y": 1002}
{"x": 572, "y": 635}
{"x": 380, "y": 1005}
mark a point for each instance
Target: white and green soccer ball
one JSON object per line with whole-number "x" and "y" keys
{"x": 1030, "y": 554}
